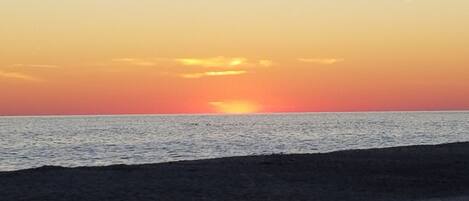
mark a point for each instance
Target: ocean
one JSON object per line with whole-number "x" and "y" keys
{"x": 71, "y": 141}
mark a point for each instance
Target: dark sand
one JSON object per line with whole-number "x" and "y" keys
{"x": 436, "y": 172}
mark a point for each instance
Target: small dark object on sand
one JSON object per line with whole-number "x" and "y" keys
{"x": 402, "y": 173}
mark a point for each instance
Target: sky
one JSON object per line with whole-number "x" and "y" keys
{"x": 203, "y": 56}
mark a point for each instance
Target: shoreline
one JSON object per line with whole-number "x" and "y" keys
{"x": 420, "y": 172}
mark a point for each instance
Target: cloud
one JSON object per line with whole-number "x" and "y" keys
{"x": 224, "y": 62}
{"x": 134, "y": 61}
{"x": 35, "y": 65}
{"x": 323, "y": 61}
{"x": 212, "y": 74}
{"x": 212, "y": 62}
{"x": 124, "y": 60}
{"x": 266, "y": 63}
{"x": 18, "y": 76}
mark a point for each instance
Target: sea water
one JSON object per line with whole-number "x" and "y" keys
{"x": 70, "y": 141}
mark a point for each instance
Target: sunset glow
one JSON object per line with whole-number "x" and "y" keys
{"x": 154, "y": 56}
{"x": 235, "y": 107}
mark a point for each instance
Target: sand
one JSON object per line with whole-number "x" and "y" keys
{"x": 421, "y": 173}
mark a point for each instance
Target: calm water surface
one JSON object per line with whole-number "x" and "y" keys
{"x": 27, "y": 142}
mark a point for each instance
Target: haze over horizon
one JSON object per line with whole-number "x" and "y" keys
{"x": 201, "y": 56}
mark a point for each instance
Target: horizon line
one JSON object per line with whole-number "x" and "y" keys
{"x": 228, "y": 114}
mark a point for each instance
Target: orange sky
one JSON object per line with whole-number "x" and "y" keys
{"x": 225, "y": 56}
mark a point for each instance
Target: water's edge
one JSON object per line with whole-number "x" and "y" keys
{"x": 208, "y": 160}
{"x": 409, "y": 173}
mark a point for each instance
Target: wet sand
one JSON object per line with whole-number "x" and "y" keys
{"x": 421, "y": 173}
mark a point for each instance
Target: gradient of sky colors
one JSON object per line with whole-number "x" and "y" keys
{"x": 203, "y": 56}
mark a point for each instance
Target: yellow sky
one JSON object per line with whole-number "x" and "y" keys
{"x": 154, "y": 56}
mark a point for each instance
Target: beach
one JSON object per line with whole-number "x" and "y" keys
{"x": 430, "y": 172}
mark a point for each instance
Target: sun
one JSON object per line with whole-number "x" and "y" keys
{"x": 235, "y": 107}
